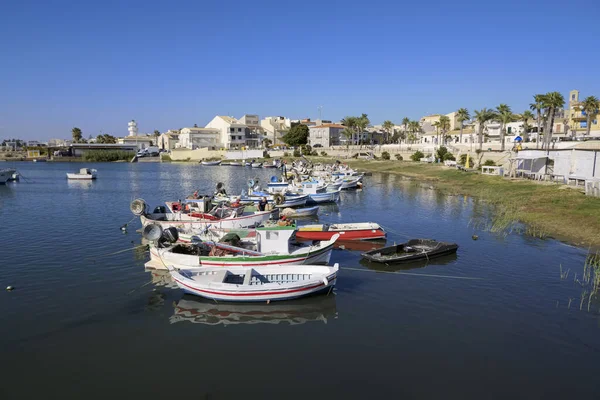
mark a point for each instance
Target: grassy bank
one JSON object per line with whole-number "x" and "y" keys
{"x": 547, "y": 209}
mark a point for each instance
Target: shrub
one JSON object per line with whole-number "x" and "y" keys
{"x": 8, "y": 155}
{"x": 440, "y": 154}
{"x": 449, "y": 156}
{"x": 417, "y": 155}
{"x": 314, "y": 153}
{"x": 108, "y": 155}
{"x": 323, "y": 154}
{"x": 266, "y": 154}
{"x": 489, "y": 163}
{"x": 306, "y": 149}
{"x": 399, "y": 157}
{"x": 462, "y": 159}
{"x": 286, "y": 154}
{"x": 297, "y": 153}
{"x": 385, "y": 155}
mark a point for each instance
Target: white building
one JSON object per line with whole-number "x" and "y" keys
{"x": 254, "y": 131}
{"x": 232, "y": 132}
{"x": 275, "y": 127}
{"x": 195, "y": 138}
{"x": 325, "y": 135}
{"x": 141, "y": 142}
{"x": 168, "y": 140}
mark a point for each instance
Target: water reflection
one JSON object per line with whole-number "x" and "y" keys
{"x": 319, "y": 308}
{"x": 360, "y": 245}
{"x": 80, "y": 184}
{"x": 445, "y": 260}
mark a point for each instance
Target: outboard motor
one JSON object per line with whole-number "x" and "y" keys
{"x": 170, "y": 235}
{"x": 160, "y": 210}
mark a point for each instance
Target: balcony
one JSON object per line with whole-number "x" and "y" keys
{"x": 579, "y": 115}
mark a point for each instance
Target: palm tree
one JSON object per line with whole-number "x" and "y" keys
{"x": 349, "y": 133}
{"x": 552, "y": 102}
{"x": 482, "y": 117}
{"x": 444, "y": 126}
{"x": 436, "y": 124}
{"x": 361, "y": 124}
{"x": 350, "y": 123}
{"x": 77, "y": 134}
{"x": 405, "y": 122}
{"x": 538, "y": 106}
{"x": 414, "y": 128}
{"x": 462, "y": 115}
{"x": 387, "y": 127}
{"x": 505, "y": 116}
{"x": 590, "y": 105}
{"x": 525, "y": 117}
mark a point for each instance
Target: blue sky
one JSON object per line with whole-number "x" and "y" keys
{"x": 97, "y": 65}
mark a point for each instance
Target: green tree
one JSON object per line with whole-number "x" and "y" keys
{"x": 106, "y": 139}
{"x": 77, "y": 135}
{"x": 296, "y": 136}
{"x": 552, "y": 102}
{"x": 437, "y": 125}
{"x": 462, "y": 115}
{"x": 590, "y": 105}
{"x": 156, "y": 133}
{"x": 482, "y": 116}
{"x": 525, "y": 117}
{"x": 351, "y": 124}
{"x": 267, "y": 143}
{"x": 405, "y": 122}
{"x": 538, "y": 106}
{"x": 349, "y": 134}
{"x": 444, "y": 124}
{"x": 505, "y": 116}
{"x": 415, "y": 129}
{"x": 361, "y": 124}
{"x": 387, "y": 126}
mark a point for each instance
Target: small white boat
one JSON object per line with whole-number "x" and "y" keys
{"x": 293, "y": 201}
{"x": 350, "y": 183}
{"x": 235, "y": 164}
{"x": 209, "y": 163}
{"x": 6, "y": 174}
{"x": 84, "y": 173}
{"x": 334, "y": 186}
{"x": 326, "y": 197}
{"x": 269, "y": 283}
{"x": 256, "y": 165}
{"x": 300, "y": 212}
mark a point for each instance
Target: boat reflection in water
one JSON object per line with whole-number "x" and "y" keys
{"x": 162, "y": 277}
{"x": 444, "y": 260}
{"x": 359, "y": 245}
{"x": 295, "y": 312}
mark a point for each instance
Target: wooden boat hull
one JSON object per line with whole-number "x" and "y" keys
{"x": 413, "y": 250}
{"x": 184, "y": 221}
{"x": 161, "y": 258}
{"x": 358, "y": 231}
{"x": 326, "y": 197}
{"x": 302, "y": 281}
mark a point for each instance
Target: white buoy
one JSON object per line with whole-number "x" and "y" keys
{"x": 9, "y": 288}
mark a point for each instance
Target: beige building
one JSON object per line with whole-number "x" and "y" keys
{"x": 275, "y": 127}
{"x": 196, "y": 138}
{"x": 325, "y": 135}
{"x": 141, "y": 141}
{"x": 168, "y": 140}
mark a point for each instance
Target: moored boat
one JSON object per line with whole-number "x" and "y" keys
{"x": 256, "y": 165}
{"x": 6, "y": 174}
{"x": 271, "y": 246}
{"x": 352, "y": 231}
{"x": 413, "y": 250}
{"x": 209, "y": 163}
{"x": 300, "y": 212}
{"x": 84, "y": 174}
{"x": 247, "y": 284}
{"x": 325, "y": 197}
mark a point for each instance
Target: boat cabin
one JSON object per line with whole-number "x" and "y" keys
{"x": 310, "y": 187}
{"x": 85, "y": 171}
{"x": 274, "y": 239}
{"x": 202, "y": 203}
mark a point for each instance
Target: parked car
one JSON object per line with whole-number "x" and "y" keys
{"x": 318, "y": 145}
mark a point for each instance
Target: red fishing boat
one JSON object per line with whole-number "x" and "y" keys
{"x": 355, "y": 231}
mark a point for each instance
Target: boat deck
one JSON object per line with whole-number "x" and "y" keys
{"x": 251, "y": 277}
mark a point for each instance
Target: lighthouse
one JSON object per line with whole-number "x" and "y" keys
{"x": 133, "y": 129}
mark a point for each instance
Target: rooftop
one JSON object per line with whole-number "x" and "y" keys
{"x": 329, "y": 126}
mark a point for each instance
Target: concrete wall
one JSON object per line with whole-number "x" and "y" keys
{"x": 195, "y": 155}
{"x": 245, "y": 154}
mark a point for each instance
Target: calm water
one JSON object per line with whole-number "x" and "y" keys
{"x": 84, "y": 321}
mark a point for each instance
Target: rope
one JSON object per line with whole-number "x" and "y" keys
{"x": 123, "y": 251}
{"x": 414, "y": 274}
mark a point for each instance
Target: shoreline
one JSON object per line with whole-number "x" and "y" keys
{"x": 547, "y": 209}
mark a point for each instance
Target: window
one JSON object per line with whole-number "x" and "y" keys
{"x": 272, "y": 235}
{"x": 239, "y": 129}
{"x": 573, "y": 97}
{"x": 231, "y": 130}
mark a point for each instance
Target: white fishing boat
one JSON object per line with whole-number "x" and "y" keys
{"x": 258, "y": 284}
{"x": 272, "y": 245}
{"x": 235, "y": 164}
{"x": 277, "y": 185}
{"x": 256, "y": 165}
{"x": 198, "y": 213}
{"x": 83, "y": 174}
{"x": 300, "y": 212}
{"x": 6, "y": 174}
{"x": 209, "y": 163}
{"x": 325, "y": 197}
{"x": 334, "y": 186}
{"x": 293, "y": 201}
{"x": 351, "y": 183}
